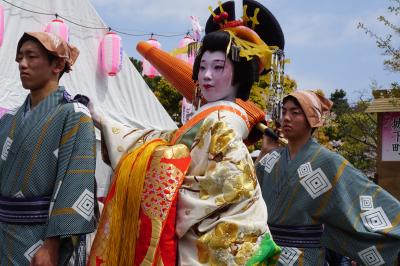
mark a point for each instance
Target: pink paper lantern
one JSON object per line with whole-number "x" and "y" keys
{"x": 58, "y": 27}
{"x": 182, "y": 43}
{"x": 148, "y": 68}
{"x": 1, "y": 25}
{"x": 111, "y": 53}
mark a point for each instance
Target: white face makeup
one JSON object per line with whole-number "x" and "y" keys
{"x": 215, "y": 77}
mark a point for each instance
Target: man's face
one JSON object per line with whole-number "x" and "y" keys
{"x": 35, "y": 69}
{"x": 215, "y": 77}
{"x": 294, "y": 121}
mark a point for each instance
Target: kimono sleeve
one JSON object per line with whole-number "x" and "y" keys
{"x": 72, "y": 206}
{"x": 361, "y": 219}
{"x": 120, "y": 138}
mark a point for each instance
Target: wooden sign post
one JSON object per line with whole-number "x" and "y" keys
{"x": 388, "y": 161}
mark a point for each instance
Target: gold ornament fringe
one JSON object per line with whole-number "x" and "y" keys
{"x": 124, "y": 222}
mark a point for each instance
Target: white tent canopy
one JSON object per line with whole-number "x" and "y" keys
{"x": 125, "y": 98}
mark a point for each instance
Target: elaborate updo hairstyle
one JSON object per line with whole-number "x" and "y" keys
{"x": 245, "y": 72}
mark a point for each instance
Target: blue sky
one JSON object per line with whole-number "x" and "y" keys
{"x": 326, "y": 49}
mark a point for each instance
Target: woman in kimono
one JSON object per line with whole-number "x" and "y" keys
{"x": 317, "y": 199}
{"x": 221, "y": 218}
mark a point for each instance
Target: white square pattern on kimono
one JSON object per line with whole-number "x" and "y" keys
{"x": 55, "y": 152}
{"x": 19, "y": 195}
{"x": 270, "y": 160}
{"x": 78, "y": 107}
{"x": 375, "y": 219}
{"x": 6, "y": 148}
{"x": 289, "y": 256}
{"x": 32, "y": 250}
{"x": 371, "y": 257}
{"x": 304, "y": 169}
{"x": 316, "y": 183}
{"x": 366, "y": 203}
{"x": 85, "y": 205}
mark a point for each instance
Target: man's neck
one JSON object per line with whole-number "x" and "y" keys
{"x": 295, "y": 146}
{"x": 38, "y": 95}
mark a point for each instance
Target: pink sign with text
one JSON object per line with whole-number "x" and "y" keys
{"x": 391, "y": 136}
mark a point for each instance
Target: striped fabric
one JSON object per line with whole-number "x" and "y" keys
{"x": 306, "y": 236}
{"x": 24, "y": 211}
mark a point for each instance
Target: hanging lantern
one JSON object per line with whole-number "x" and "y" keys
{"x": 111, "y": 53}
{"x": 148, "y": 69}
{"x": 187, "y": 57}
{"x": 1, "y": 25}
{"x": 58, "y": 27}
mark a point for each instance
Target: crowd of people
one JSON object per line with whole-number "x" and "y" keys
{"x": 191, "y": 196}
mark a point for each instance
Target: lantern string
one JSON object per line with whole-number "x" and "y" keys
{"x": 32, "y": 11}
{"x": 96, "y": 28}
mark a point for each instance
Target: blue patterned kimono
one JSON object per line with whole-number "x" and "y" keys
{"x": 319, "y": 200}
{"x": 47, "y": 179}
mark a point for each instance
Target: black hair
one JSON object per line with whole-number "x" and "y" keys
{"x": 293, "y": 99}
{"x": 51, "y": 57}
{"x": 245, "y": 72}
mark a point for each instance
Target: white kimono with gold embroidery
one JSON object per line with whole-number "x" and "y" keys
{"x": 221, "y": 215}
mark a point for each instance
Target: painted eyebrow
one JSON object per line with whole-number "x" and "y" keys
{"x": 215, "y": 60}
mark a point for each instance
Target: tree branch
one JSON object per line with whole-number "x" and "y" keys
{"x": 362, "y": 141}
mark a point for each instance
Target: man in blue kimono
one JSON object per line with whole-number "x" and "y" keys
{"x": 47, "y": 160}
{"x": 316, "y": 199}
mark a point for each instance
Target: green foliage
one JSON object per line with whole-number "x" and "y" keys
{"x": 170, "y": 98}
{"x": 352, "y": 132}
{"x": 359, "y": 130}
{"x": 340, "y": 103}
{"x": 137, "y": 64}
{"x": 261, "y": 94}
